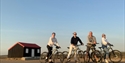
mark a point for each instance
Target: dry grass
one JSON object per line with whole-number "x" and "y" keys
{"x": 5, "y": 56}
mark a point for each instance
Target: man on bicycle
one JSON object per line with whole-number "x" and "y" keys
{"x": 91, "y": 42}
{"x": 104, "y": 46}
{"x": 74, "y": 41}
{"x": 52, "y": 41}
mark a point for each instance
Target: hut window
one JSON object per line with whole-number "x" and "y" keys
{"x": 38, "y": 51}
{"x": 27, "y": 50}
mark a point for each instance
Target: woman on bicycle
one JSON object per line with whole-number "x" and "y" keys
{"x": 74, "y": 41}
{"x": 52, "y": 41}
{"x": 104, "y": 46}
{"x": 91, "y": 43}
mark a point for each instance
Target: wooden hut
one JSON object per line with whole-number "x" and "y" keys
{"x": 24, "y": 50}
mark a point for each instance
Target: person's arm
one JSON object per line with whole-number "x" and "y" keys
{"x": 107, "y": 42}
{"x": 94, "y": 40}
{"x": 56, "y": 43}
{"x": 80, "y": 41}
{"x": 104, "y": 41}
{"x": 72, "y": 42}
{"x": 88, "y": 40}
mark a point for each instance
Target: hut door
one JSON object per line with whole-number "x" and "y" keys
{"x": 33, "y": 52}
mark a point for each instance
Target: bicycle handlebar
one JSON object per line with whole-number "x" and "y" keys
{"x": 92, "y": 43}
{"x": 57, "y": 47}
{"x": 78, "y": 45}
{"x": 75, "y": 45}
{"x": 110, "y": 44}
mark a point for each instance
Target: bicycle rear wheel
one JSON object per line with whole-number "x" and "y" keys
{"x": 60, "y": 56}
{"x": 81, "y": 56}
{"x": 96, "y": 56}
{"x": 43, "y": 56}
{"x": 65, "y": 54}
{"x": 86, "y": 57}
{"x": 115, "y": 56}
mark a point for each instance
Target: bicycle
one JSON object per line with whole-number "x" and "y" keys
{"x": 55, "y": 55}
{"x": 115, "y": 56}
{"x": 79, "y": 55}
{"x": 95, "y": 55}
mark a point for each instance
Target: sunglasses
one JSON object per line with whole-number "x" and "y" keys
{"x": 75, "y": 34}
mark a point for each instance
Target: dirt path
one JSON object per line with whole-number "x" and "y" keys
{"x": 31, "y": 61}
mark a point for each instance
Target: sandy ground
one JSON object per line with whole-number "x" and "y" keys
{"x": 32, "y": 61}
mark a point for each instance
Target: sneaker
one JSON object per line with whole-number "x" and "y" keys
{"x": 106, "y": 61}
{"x": 50, "y": 60}
{"x": 46, "y": 59}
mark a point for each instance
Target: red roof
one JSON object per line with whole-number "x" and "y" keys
{"x": 23, "y": 44}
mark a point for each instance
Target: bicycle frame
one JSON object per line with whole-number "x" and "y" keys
{"x": 54, "y": 51}
{"x": 75, "y": 50}
{"x": 102, "y": 50}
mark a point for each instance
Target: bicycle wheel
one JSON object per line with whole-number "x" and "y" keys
{"x": 43, "y": 56}
{"x": 60, "y": 56}
{"x": 65, "y": 54}
{"x": 86, "y": 57}
{"x": 81, "y": 56}
{"x": 96, "y": 56}
{"x": 115, "y": 56}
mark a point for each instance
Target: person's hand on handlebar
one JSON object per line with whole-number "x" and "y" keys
{"x": 94, "y": 43}
{"x": 58, "y": 47}
{"x": 82, "y": 44}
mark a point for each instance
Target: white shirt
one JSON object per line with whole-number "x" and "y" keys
{"x": 53, "y": 41}
{"x": 104, "y": 41}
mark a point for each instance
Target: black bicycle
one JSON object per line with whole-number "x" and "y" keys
{"x": 54, "y": 56}
{"x": 115, "y": 56}
{"x": 95, "y": 55}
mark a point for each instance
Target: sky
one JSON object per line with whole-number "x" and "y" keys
{"x": 33, "y": 21}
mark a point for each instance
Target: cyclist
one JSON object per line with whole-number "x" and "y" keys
{"x": 91, "y": 43}
{"x": 52, "y": 41}
{"x": 74, "y": 41}
{"x": 104, "y": 46}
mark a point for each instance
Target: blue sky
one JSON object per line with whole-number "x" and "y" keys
{"x": 34, "y": 21}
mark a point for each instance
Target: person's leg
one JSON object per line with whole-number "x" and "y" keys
{"x": 50, "y": 54}
{"x": 75, "y": 48}
{"x": 70, "y": 50}
{"x": 106, "y": 55}
{"x": 49, "y": 51}
{"x": 87, "y": 53}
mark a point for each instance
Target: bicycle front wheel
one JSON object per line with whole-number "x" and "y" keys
{"x": 115, "y": 56}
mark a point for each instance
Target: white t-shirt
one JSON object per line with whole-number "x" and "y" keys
{"x": 53, "y": 41}
{"x": 104, "y": 41}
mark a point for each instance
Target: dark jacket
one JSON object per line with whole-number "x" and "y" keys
{"x": 74, "y": 41}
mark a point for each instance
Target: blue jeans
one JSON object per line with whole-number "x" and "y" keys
{"x": 106, "y": 53}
